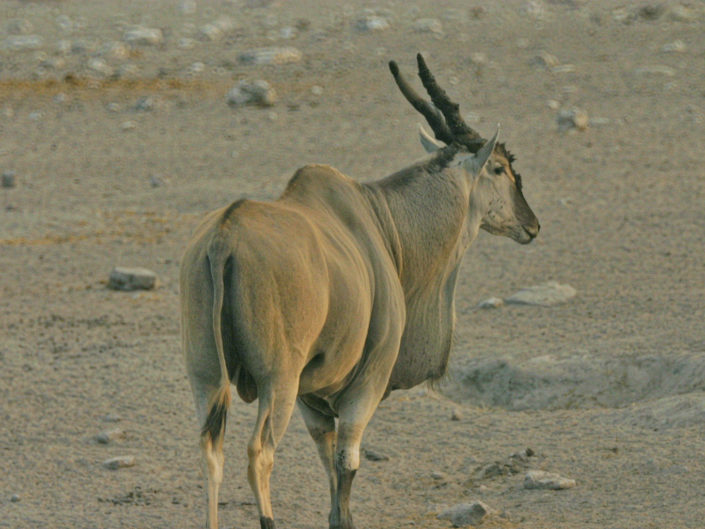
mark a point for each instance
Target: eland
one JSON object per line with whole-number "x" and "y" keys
{"x": 338, "y": 293}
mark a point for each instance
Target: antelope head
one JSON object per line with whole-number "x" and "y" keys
{"x": 497, "y": 188}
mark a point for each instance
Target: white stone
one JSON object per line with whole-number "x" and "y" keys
{"x": 142, "y": 36}
{"x": 466, "y": 513}
{"x": 115, "y": 463}
{"x": 258, "y": 92}
{"x": 108, "y": 436}
{"x": 574, "y": 118}
{"x": 23, "y": 42}
{"x": 372, "y": 23}
{"x": 122, "y": 278}
{"x": 491, "y": 303}
{"x": 273, "y": 55}
{"x": 677, "y": 46}
{"x": 428, "y": 25}
{"x": 656, "y": 69}
{"x": 545, "y": 295}
{"x": 539, "y": 479}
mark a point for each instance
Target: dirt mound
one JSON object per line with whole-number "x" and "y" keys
{"x": 551, "y": 383}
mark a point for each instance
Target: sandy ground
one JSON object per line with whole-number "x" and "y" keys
{"x": 607, "y": 389}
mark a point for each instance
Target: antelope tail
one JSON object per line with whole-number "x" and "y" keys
{"x": 214, "y": 426}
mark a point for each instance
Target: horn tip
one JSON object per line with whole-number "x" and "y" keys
{"x": 394, "y": 68}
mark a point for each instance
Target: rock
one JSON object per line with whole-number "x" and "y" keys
{"x": 428, "y": 25}
{"x": 544, "y": 295}
{"x": 19, "y": 26}
{"x": 372, "y": 23}
{"x": 108, "y": 436}
{"x": 466, "y": 513}
{"x": 573, "y": 119}
{"x": 677, "y": 46}
{"x": 15, "y": 498}
{"x": 491, "y": 303}
{"x": 438, "y": 476}
{"x": 456, "y": 415}
{"x": 656, "y": 69}
{"x": 8, "y": 179}
{"x": 539, "y": 479}
{"x": 216, "y": 30}
{"x": 115, "y": 463}
{"x": 682, "y": 13}
{"x": 126, "y": 126}
{"x": 111, "y": 417}
{"x": 23, "y": 43}
{"x": 132, "y": 279}
{"x": 115, "y": 50}
{"x": 143, "y": 36}
{"x": 373, "y": 455}
{"x": 187, "y": 7}
{"x": 252, "y": 93}
{"x": 271, "y": 55}
{"x": 98, "y": 65}
{"x": 186, "y": 43}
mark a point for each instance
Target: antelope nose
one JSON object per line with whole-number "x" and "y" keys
{"x": 532, "y": 229}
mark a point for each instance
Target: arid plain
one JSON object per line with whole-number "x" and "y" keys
{"x": 114, "y": 147}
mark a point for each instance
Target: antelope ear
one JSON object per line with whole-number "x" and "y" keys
{"x": 430, "y": 144}
{"x": 475, "y": 163}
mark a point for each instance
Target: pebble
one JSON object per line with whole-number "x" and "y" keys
{"x": 111, "y": 417}
{"x": 122, "y": 278}
{"x": 428, "y": 25}
{"x": 126, "y": 126}
{"x": 656, "y": 69}
{"x": 491, "y": 303}
{"x": 115, "y": 463}
{"x": 100, "y": 66}
{"x": 466, "y": 513}
{"x": 8, "y": 179}
{"x": 677, "y": 46}
{"x": 258, "y": 92}
{"x": 15, "y": 498}
{"x": 373, "y": 455}
{"x": 271, "y": 55}
{"x": 456, "y": 415}
{"x": 143, "y": 36}
{"x": 539, "y": 479}
{"x": 544, "y": 295}
{"x": 372, "y": 23}
{"x": 573, "y": 118}
{"x": 115, "y": 50}
{"x": 23, "y": 43}
{"x": 19, "y": 26}
{"x": 108, "y": 436}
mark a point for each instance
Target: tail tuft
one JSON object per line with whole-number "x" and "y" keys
{"x": 214, "y": 426}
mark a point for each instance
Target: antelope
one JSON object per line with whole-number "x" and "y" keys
{"x": 338, "y": 293}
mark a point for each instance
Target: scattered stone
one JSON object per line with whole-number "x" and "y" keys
{"x": 539, "y": 479}
{"x": 456, "y": 415}
{"x": 19, "y": 26}
{"x": 65, "y": 23}
{"x": 216, "y": 30}
{"x": 145, "y": 104}
{"x": 142, "y": 36}
{"x": 108, "y": 436}
{"x": 22, "y": 43}
{"x": 187, "y": 7}
{"x": 656, "y": 69}
{"x": 132, "y": 279}
{"x": 111, "y": 417}
{"x": 544, "y": 295}
{"x": 186, "y": 43}
{"x": 8, "y": 179}
{"x": 317, "y": 90}
{"x": 271, "y": 55}
{"x": 158, "y": 180}
{"x": 466, "y": 513}
{"x": 428, "y": 25}
{"x": 115, "y": 50}
{"x": 15, "y": 498}
{"x": 372, "y": 23}
{"x": 682, "y": 13}
{"x": 491, "y": 303}
{"x": 126, "y": 126}
{"x": 677, "y": 46}
{"x": 545, "y": 59}
{"x": 115, "y": 463}
{"x": 373, "y": 455}
{"x": 98, "y": 65}
{"x": 574, "y": 118}
{"x": 252, "y": 93}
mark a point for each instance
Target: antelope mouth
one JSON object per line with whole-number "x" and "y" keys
{"x": 527, "y": 234}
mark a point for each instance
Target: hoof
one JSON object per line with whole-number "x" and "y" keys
{"x": 266, "y": 523}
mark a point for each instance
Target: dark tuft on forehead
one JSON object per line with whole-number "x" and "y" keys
{"x": 501, "y": 149}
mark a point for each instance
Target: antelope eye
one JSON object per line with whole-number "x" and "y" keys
{"x": 499, "y": 169}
